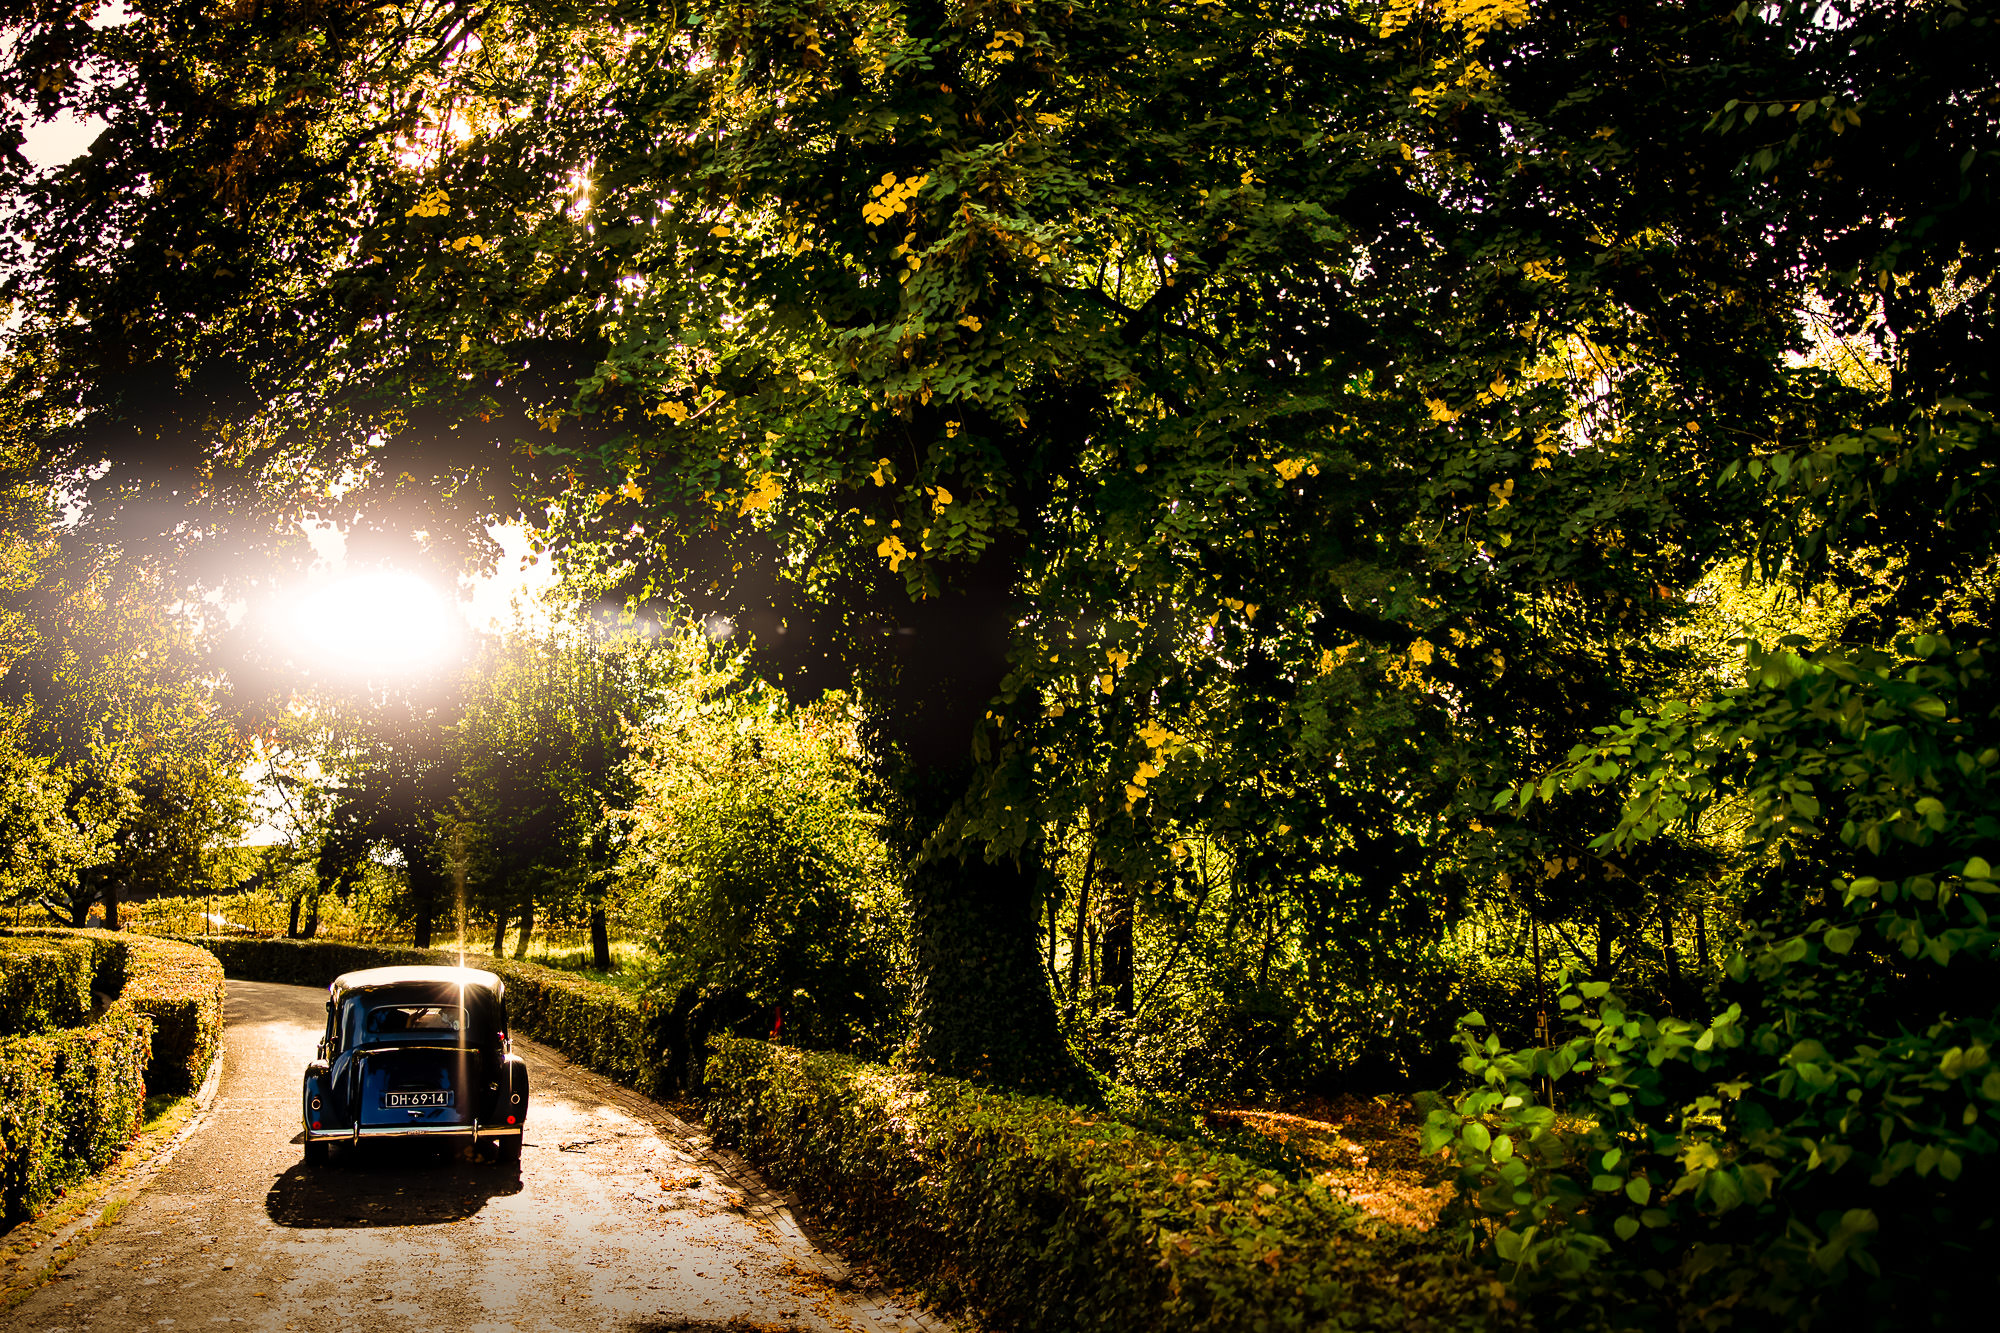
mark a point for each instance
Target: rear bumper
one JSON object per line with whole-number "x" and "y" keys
{"x": 354, "y": 1134}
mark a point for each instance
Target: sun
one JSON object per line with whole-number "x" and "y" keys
{"x": 383, "y": 622}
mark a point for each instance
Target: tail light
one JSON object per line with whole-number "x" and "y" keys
{"x": 315, "y": 1124}
{"x": 510, "y": 1119}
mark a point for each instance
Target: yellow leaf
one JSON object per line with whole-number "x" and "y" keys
{"x": 675, "y": 411}
{"x": 719, "y": 229}
{"x": 882, "y": 472}
{"x": 943, "y": 497}
{"x": 765, "y": 494}
{"x": 893, "y": 550}
{"x": 1421, "y": 653}
{"x": 972, "y": 322}
{"x": 1439, "y": 410}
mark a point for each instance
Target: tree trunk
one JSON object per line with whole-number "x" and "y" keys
{"x": 1118, "y": 961}
{"x": 527, "y": 929}
{"x": 111, "y": 887}
{"x": 312, "y": 918}
{"x": 1701, "y": 934}
{"x": 1079, "y": 948}
{"x": 1667, "y": 947}
{"x": 982, "y": 1010}
{"x": 292, "y": 926}
{"x": 499, "y": 934}
{"x": 600, "y": 940}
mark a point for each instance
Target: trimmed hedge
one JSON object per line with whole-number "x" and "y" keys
{"x": 180, "y": 987}
{"x": 1048, "y": 1218}
{"x": 69, "y": 1100}
{"x": 44, "y": 983}
{"x": 591, "y": 1023}
{"x": 71, "y": 1097}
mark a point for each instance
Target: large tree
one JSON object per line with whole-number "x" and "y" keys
{"x": 1322, "y": 395}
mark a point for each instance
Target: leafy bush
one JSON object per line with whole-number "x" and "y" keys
{"x": 748, "y": 847}
{"x": 70, "y": 1097}
{"x": 44, "y": 983}
{"x": 1049, "y": 1218}
{"x": 1223, "y": 1038}
{"x": 593, "y": 1024}
{"x": 1822, "y": 1148}
{"x": 180, "y": 987}
{"x": 69, "y": 1100}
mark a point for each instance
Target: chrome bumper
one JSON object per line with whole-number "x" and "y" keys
{"x": 356, "y": 1133}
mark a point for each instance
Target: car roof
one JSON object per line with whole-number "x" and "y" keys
{"x": 374, "y": 977}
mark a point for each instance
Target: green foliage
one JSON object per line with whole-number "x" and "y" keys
{"x": 1824, "y": 1142}
{"x": 539, "y": 754}
{"x": 46, "y": 851}
{"x": 179, "y": 987}
{"x": 44, "y": 983}
{"x": 71, "y": 1096}
{"x": 748, "y": 845}
{"x": 69, "y": 1100}
{"x": 1046, "y": 1218}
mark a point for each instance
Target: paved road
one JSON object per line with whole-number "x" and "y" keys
{"x": 619, "y": 1217}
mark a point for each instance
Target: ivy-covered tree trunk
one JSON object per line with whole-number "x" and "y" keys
{"x": 982, "y": 1007}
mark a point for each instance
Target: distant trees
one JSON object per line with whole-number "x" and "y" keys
{"x": 540, "y": 752}
{"x": 122, "y": 768}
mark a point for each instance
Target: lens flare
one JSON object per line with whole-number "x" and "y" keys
{"x": 379, "y": 623}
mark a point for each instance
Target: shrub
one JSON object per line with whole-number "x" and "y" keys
{"x": 44, "y": 983}
{"x": 71, "y": 1096}
{"x": 180, "y": 987}
{"x": 69, "y": 1099}
{"x": 1049, "y": 1218}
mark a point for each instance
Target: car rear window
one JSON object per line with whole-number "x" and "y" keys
{"x": 389, "y": 1020}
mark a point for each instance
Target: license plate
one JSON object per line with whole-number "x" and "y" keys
{"x": 411, "y": 1099}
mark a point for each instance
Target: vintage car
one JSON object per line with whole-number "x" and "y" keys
{"x": 416, "y": 1052}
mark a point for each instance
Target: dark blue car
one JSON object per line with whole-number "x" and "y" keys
{"x": 416, "y": 1052}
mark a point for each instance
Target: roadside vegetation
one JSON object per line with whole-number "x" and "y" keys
{"x": 1201, "y": 563}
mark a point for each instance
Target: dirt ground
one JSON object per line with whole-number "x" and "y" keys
{"x": 1367, "y": 1148}
{"x": 619, "y": 1217}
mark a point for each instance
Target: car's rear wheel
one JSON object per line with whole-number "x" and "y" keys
{"x": 316, "y": 1153}
{"x": 507, "y": 1149}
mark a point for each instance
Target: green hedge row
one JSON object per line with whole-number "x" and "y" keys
{"x": 1048, "y": 1218}
{"x": 593, "y": 1024}
{"x": 71, "y": 1097}
{"x": 180, "y": 987}
{"x": 44, "y": 983}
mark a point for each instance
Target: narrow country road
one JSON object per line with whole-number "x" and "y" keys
{"x": 620, "y": 1217}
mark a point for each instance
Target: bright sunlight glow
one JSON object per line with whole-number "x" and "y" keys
{"x": 377, "y": 623}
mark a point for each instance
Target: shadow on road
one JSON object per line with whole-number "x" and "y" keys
{"x": 389, "y": 1185}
